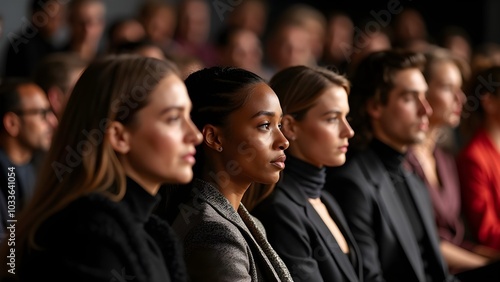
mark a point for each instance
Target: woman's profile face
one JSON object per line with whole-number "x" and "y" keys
{"x": 162, "y": 136}
{"x": 321, "y": 137}
{"x": 445, "y": 95}
{"x": 253, "y": 144}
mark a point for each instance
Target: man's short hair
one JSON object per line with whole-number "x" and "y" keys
{"x": 374, "y": 79}
{"x": 10, "y": 99}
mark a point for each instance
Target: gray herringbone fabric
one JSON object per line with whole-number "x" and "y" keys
{"x": 221, "y": 244}
{"x": 278, "y": 264}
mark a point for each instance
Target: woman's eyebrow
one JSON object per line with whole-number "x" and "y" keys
{"x": 172, "y": 108}
{"x": 264, "y": 113}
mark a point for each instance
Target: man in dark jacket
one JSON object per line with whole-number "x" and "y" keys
{"x": 388, "y": 209}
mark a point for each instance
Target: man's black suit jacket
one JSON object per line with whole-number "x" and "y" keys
{"x": 377, "y": 218}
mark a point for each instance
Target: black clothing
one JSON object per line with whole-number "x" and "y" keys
{"x": 393, "y": 162}
{"x": 16, "y": 182}
{"x": 96, "y": 239}
{"x": 298, "y": 233}
{"x": 379, "y": 220}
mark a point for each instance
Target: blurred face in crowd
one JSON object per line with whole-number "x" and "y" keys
{"x": 194, "y": 21}
{"x": 339, "y": 38}
{"x": 249, "y": 15}
{"x": 128, "y": 31}
{"x": 292, "y": 47}
{"x": 36, "y": 119}
{"x": 160, "y": 26}
{"x": 88, "y": 22}
{"x": 244, "y": 51}
{"x": 445, "y": 95}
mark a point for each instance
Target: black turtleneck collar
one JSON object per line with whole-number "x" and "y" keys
{"x": 391, "y": 158}
{"x": 310, "y": 177}
{"x": 139, "y": 201}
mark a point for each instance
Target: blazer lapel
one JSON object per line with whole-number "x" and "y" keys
{"x": 335, "y": 212}
{"x": 299, "y": 197}
{"x": 393, "y": 209}
{"x": 276, "y": 264}
{"x": 213, "y": 197}
{"x": 422, "y": 202}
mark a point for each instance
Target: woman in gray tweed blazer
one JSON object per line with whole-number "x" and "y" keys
{"x": 240, "y": 118}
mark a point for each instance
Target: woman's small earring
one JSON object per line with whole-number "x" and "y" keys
{"x": 220, "y": 149}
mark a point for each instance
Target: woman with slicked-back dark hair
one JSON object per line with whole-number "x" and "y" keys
{"x": 239, "y": 116}
{"x": 126, "y": 130}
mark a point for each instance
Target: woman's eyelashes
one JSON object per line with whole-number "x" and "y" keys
{"x": 338, "y": 118}
{"x": 333, "y": 119}
{"x": 173, "y": 119}
{"x": 266, "y": 126}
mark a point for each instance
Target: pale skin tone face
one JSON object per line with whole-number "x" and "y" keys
{"x": 252, "y": 145}
{"x": 403, "y": 120}
{"x": 244, "y": 51}
{"x": 321, "y": 137}
{"x": 293, "y": 48}
{"x": 445, "y": 95}
{"x": 160, "y": 26}
{"x": 340, "y": 37}
{"x": 195, "y": 22}
{"x": 159, "y": 146}
{"x": 88, "y": 23}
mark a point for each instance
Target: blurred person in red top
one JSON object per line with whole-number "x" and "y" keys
{"x": 479, "y": 161}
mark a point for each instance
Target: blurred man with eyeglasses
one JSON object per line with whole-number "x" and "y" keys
{"x": 27, "y": 125}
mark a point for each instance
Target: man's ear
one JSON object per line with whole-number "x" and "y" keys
{"x": 374, "y": 108}
{"x": 12, "y": 124}
{"x": 119, "y": 137}
{"x": 212, "y": 137}
{"x": 289, "y": 127}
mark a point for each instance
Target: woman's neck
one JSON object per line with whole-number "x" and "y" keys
{"x": 232, "y": 190}
{"x": 428, "y": 145}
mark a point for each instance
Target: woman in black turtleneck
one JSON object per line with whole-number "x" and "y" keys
{"x": 304, "y": 224}
{"x": 91, "y": 216}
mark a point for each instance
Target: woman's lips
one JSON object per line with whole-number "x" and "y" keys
{"x": 279, "y": 162}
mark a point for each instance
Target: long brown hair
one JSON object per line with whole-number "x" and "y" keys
{"x": 81, "y": 160}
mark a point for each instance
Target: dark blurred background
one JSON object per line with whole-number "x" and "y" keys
{"x": 479, "y": 18}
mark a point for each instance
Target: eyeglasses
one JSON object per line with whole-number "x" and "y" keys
{"x": 41, "y": 112}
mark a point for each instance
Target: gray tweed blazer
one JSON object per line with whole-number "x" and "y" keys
{"x": 221, "y": 244}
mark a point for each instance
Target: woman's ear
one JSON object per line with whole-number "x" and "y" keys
{"x": 119, "y": 137}
{"x": 289, "y": 127}
{"x": 212, "y": 137}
